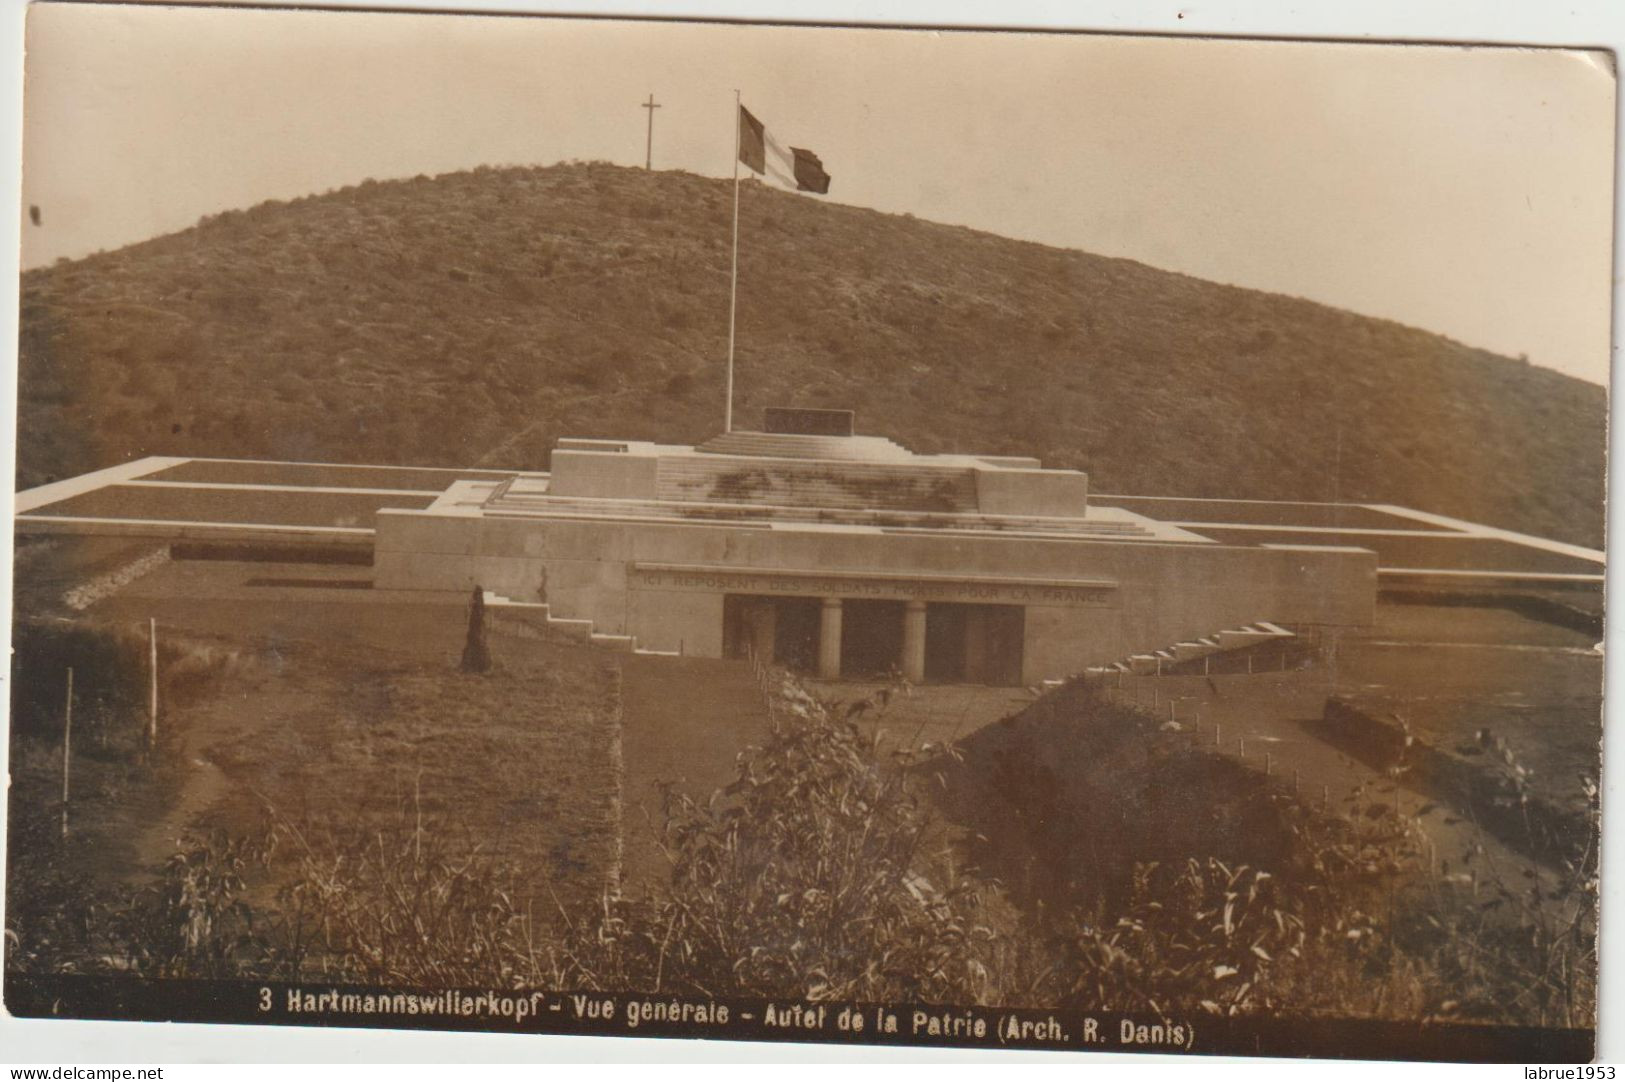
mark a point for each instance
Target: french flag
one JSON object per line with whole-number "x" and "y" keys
{"x": 794, "y": 168}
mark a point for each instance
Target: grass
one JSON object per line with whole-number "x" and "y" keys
{"x": 1091, "y": 858}
{"x": 325, "y": 744}
{"x": 518, "y": 760}
{"x": 474, "y": 318}
{"x": 1545, "y": 700}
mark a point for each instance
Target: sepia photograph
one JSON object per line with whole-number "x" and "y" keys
{"x": 820, "y": 534}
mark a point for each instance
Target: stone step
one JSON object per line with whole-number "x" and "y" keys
{"x": 1231, "y": 640}
{"x": 629, "y": 508}
{"x": 580, "y": 630}
{"x": 712, "y": 511}
{"x": 497, "y": 601}
{"x": 1198, "y": 648}
{"x": 802, "y": 483}
{"x": 538, "y": 614}
{"x": 797, "y": 445}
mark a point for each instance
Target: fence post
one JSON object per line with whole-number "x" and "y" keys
{"x": 67, "y": 749}
{"x": 1267, "y": 764}
{"x": 152, "y": 688}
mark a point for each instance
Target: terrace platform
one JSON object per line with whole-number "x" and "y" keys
{"x": 945, "y": 567}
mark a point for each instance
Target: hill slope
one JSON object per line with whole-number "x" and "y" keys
{"x": 474, "y": 318}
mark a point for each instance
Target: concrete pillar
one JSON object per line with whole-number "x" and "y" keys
{"x": 829, "y": 640}
{"x": 914, "y": 642}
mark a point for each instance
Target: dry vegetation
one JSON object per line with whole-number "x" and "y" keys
{"x": 310, "y": 763}
{"x": 475, "y": 317}
{"x": 823, "y": 872}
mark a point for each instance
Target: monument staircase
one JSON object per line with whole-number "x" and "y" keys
{"x": 796, "y": 445}
{"x": 513, "y": 502}
{"x": 535, "y": 617}
{"x": 808, "y": 482}
{"x": 1182, "y": 657}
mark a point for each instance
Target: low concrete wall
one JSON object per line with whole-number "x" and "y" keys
{"x": 673, "y": 620}
{"x": 608, "y": 474}
{"x": 173, "y": 530}
{"x": 1056, "y": 637}
{"x": 1031, "y": 492}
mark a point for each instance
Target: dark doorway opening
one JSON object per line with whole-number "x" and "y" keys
{"x": 796, "y": 641}
{"x": 945, "y": 643}
{"x": 779, "y": 630}
{"x": 974, "y": 644}
{"x": 871, "y": 638}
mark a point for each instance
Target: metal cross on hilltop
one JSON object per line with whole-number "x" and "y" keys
{"x": 649, "y": 147}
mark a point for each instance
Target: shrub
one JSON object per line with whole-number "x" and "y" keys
{"x": 1203, "y": 936}
{"x": 195, "y": 921}
{"x": 818, "y": 873}
{"x": 807, "y": 876}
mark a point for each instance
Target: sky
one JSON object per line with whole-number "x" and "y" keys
{"x": 1467, "y": 191}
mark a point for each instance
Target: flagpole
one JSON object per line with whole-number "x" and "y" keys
{"x": 733, "y": 287}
